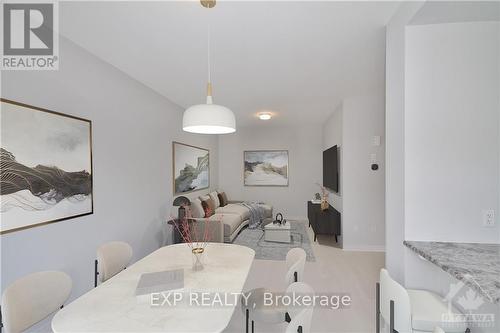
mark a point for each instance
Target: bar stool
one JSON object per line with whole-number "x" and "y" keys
{"x": 414, "y": 311}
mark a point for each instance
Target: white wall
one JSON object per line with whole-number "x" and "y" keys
{"x": 304, "y": 145}
{"x": 452, "y": 114}
{"x": 332, "y": 135}
{"x": 402, "y": 263}
{"x": 363, "y": 197}
{"x": 394, "y": 123}
{"x": 133, "y": 129}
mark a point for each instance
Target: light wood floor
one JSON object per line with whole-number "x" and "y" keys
{"x": 334, "y": 271}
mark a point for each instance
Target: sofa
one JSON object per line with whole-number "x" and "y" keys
{"x": 228, "y": 218}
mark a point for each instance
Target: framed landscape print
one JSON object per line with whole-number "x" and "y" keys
{"x": 45, "y": 166}
{"x": 265, "y": 168}
{"x": 191, "y": 169}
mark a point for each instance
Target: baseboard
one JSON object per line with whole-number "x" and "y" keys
{"x": 365, "y": 248}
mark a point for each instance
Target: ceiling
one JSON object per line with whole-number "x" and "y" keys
{"x": 433, "y": 12}
{"x": 295, "y": 59}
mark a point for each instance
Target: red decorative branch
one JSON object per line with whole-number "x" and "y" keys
{"x": 188, "y": 230}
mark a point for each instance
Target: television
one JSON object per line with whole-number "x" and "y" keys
{"x": 331, "y": 169}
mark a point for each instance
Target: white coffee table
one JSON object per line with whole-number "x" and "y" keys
{"x": 277, "y": 232}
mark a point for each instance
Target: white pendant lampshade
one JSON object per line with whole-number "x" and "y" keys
{"x": 208, "y": 118}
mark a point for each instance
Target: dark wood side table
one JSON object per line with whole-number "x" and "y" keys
{"x": 323, "y": 222}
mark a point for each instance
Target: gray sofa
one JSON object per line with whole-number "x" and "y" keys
{"x": 229, "y": 219}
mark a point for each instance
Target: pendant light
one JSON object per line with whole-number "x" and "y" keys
{"x": 208, "y": 118}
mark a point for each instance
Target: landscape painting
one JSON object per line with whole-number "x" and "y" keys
{"x": 45, "y": 166}
{"x": 265, "y": 168}
{"x": 191, "y": 168}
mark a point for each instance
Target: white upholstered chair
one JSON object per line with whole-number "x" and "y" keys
{"x": 112, "y": 258}
{"x": 300, "y": 317}
{"x": 414, "y": 311}
{"x": 32, "y": 298}
{"x": 295, "y": 262}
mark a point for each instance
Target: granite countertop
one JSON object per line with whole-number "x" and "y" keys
{"x": 477, "y": 265}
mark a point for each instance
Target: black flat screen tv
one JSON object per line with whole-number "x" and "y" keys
{"x": 331, "y": 169}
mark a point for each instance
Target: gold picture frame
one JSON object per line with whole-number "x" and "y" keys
{"x": 272, "y": 168}
{"x": 183, "y": 157}
{"x": 35, "y": 190}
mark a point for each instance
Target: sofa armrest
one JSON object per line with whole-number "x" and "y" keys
{"x": 216, "y": 228}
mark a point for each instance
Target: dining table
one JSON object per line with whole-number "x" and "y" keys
{"x": 115, "y": 306}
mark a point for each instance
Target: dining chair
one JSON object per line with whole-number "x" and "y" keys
{"x": 295, "y": 261}
{"x": 300, "y": 316}
{"x": 32, "y": 298}
{"x": 112, "y": 258}
{"x": 414, "y": 311}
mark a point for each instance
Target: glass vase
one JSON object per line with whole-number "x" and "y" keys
{"x": 198, "y": 258}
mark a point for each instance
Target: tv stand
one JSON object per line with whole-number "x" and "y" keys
{"x": 323, "y": 222}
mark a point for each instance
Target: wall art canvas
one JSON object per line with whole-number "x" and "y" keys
{"x": 45, "y": 166}
{"x": 265, "y": 168}
{"x": 191, "y": 168}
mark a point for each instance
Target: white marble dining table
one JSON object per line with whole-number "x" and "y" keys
{"x": 114, "y": 307}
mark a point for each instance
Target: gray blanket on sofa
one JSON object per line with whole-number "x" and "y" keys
{"x": 256, "y": 214}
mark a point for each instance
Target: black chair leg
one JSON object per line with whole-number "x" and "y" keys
{"x": 299, "y": 329}
{"x": 246, "y": 320}
{"x": 95, "y": 273}
{"x": 391, "y": 317}
{"x": 253, "y": 326}
{"x": 287, "y": 317}
{"x": 296, "y": 277}
{"x": 377, "y": 307}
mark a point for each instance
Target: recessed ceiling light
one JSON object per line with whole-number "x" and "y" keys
{"x": 264, "y": 116}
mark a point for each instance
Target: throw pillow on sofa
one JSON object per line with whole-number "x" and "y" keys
{"x": 222, "y": 198}
{"x": 213, "y": 195}
{"x": 197, "y": 209}
{"x": 208, "y": 207}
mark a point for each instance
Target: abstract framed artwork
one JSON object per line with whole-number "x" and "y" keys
{"x": 265, "y": 168}
{"x": 45, "y": 166}
{"x": 191, "y": 168}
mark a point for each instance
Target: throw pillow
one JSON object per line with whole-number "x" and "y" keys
{"x": 197, "y": 209}
{"x": 208, "y": 207}
{"x": 204, "y": 197}
{"x": 213, "y": 195}
{"x": 222, "y": 199}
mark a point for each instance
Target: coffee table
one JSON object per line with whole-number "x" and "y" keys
{"x": 277, "y": 232}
